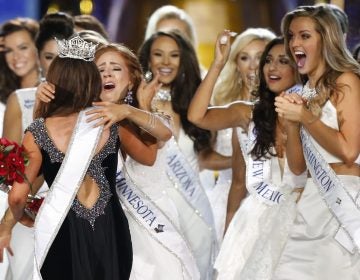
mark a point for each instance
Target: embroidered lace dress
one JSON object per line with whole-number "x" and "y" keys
{"x": 92, "y": 243}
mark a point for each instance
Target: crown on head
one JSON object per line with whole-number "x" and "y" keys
{"x": 77, "y": 48}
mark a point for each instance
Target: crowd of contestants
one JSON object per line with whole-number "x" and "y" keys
{"x": 249, "y": 169}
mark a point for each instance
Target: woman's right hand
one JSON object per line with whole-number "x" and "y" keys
{"x": 5, "y": 237}
{"x": 222, "y": 48}
{"x": 146, "y": 92}
{"x": 45, "y": 92}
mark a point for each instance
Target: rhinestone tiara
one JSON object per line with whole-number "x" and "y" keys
{"x": 77, "y": 48}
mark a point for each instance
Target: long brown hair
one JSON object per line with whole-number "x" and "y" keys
{"x": 77, "y": 85}
{"x": 338, "y": 58}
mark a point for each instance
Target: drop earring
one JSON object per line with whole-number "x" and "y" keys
{"x": 240, "y": 81}
{"x": 129, "y": 99}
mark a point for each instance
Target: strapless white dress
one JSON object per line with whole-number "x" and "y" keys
{"x": 312, "y": 253}
{"x": 257, "y": 233}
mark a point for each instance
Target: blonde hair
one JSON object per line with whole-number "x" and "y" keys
{"x": 228, "y": 88}
{"x": 171, "y": 12}
{"x": 337, "y": 57}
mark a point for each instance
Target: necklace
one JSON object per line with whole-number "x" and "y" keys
{"x": 163, "y": 95}
{"x": 307, "y": 92}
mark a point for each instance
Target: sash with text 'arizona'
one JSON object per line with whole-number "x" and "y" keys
{"x": 64, "y": 188}
{"x": 187, "y": 181}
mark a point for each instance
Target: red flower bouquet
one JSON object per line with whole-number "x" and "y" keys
{"x": 13, "y": 160}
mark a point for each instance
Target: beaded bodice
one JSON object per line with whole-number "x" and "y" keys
{"x": 98, "y": 170}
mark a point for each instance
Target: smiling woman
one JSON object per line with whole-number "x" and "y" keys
{"x": 324, "y": 241}
{"x": 172, "y": 60}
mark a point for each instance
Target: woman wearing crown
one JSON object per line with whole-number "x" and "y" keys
{"x": 81, "y": 231}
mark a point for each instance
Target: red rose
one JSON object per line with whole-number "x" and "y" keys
{"x": 3, "y": 168}
{"x": 12, "y": 162}
{"x": 11, "y": 177}
{"x": 19, "y": 177}
{"x": 5, "y": 142}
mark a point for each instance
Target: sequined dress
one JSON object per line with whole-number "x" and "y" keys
{"x": 92, "y": 243}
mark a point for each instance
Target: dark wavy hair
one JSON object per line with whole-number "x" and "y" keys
{"x": 264, "y": 115}
{"x": 184, "y": 85}
{"x": 59, "y": 25}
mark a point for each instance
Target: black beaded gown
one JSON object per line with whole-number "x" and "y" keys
{"x": 92, "y": 243}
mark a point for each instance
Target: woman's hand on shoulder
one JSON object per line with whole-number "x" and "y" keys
{"x": 45, "y": 92}
{"x": 107, "y": 113}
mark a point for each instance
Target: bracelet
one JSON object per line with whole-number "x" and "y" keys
{"x": 150, "y": 123}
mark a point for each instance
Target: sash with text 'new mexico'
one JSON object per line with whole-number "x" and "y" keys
{"x": 258, "y": 176}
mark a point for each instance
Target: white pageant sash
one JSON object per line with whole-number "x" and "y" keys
{"x": 243, "y": 136}
{"x": 61, "y": 194}
{"x": 340, "y": 203}
{"x": 156, "y": 223}
{"x": 258, "y": 176}
{"x": 187, "y": 182}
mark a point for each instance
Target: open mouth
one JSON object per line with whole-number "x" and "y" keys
{"x": 300, "y": 58}
{"x": 165, "y": 71}
{"x": 109, "y": 86}
{"x": 274, "y": 78}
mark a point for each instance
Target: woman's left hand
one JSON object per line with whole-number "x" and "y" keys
{"x": 146, "y": 92}
{"x": 107, "y": 113}
{"x": 289, "y": 107}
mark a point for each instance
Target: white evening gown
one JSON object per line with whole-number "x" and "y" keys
{"x": 311, "y": 252}
{"x": 257, "y": 233}
{"x": 152, "y": 261}
{"x": 22, "y": 239}
{"x": 200, "y": 236}
{"x": 218, "y": 194}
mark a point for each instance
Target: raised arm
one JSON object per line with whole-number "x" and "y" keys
{"x": 110, "y": 113}
{"x": 345, "y": 142}
{"x": 142, "y": 148}
{"x": 198, "y": 112}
